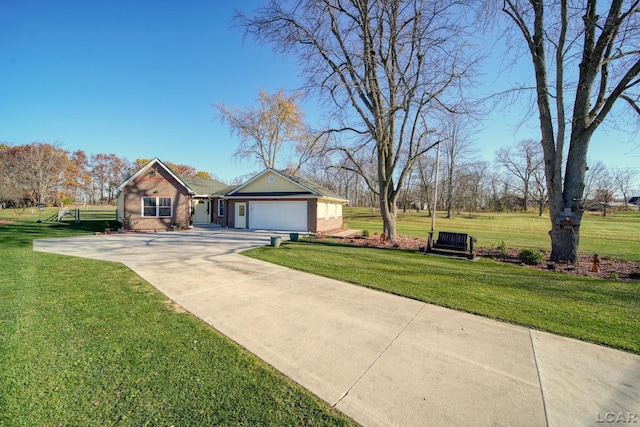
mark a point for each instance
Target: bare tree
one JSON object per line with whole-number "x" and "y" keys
{"x": 427, "y": 174}
{"x": 107, "y": 171}
{"x": 10, "y": 176}
{"x": 41, "y": 167}
{"x": 457, "y": 148}
{"x": 475, "y": 177}
{"x": 593, "y": 175}
{"x": 594, "y": 58}
{"x": 98, "y": 165}
{"x": 118, "y": 171}
{"x": 494, "y": 183}
{"x": 623, "y": 178}
{"x": 263, "y": 131}
{"x": 409, "y": 187}
{"x": 386, "y": 65}
{"x": 606, "y": 187}
{"x": 342, "y": 163}
{"x": 538, "y": 189}
{"x": 522, "y": 161}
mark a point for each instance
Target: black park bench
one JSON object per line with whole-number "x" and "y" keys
{"x": 447, "y": 240}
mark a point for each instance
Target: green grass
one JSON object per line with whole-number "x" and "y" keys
{"x": 85, "y": 342}
{"x": 603, "y": 312}
{"x": 615, "y": 235}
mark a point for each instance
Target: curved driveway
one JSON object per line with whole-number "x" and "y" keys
{"x": 379, "y": 358}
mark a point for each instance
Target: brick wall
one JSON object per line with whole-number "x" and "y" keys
{"x": 155, "y": 183}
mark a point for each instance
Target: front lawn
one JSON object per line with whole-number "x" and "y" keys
{"x": 86, "y": 342}
{"x": 603, "y": 312}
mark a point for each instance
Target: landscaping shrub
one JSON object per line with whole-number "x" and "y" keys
{"x": 365, "y": 233}
{"x": 502, "y": 247}
{"x": 531, "y": 256}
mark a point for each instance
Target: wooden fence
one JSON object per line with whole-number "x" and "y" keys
{"x": 84, "y": 214}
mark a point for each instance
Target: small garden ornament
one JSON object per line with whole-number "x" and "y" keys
{"x": 596, "y": 264}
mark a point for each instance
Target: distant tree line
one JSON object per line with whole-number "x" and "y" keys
{"x": 513, "y": 182}
{"x": 41, "y": 172}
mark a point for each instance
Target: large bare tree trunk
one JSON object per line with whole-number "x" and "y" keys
{"x": 607, "y": 66}
{"x": 566, "y": 203}
{"x": 388, "y": 212}
{"x": 388, "y": 191}
{"x": 564, "y": 242}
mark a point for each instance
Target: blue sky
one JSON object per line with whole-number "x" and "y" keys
{"x": 137, "y": 79}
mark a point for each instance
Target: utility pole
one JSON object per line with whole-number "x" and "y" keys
{"x": 435, "y": 201}
{"x": 435, "y": 191}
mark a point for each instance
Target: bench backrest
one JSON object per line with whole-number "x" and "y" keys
{"x": 448, "y": 238}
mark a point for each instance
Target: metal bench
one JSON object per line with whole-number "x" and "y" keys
{"x": 447, "y": 240}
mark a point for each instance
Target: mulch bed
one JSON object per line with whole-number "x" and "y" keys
{"x": 610, "y": 269}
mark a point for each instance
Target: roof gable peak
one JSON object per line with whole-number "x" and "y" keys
{"x": 149, "y": 167}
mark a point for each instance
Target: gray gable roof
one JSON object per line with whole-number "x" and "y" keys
{"x": 204, "y": 186}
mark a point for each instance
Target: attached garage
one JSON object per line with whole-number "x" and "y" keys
{"x": 275, "y": 200}
{"x": 278, "y": 215}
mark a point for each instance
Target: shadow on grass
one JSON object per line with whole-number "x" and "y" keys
{"x": 21, "y": 231}
{"x": 338, "y": 243}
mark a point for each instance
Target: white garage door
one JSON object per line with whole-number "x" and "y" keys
{"x": 278, "y": 215}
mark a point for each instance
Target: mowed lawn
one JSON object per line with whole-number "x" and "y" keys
{"x": 615, "y": 235}
{"x": 86, "y": 342}
{"x": 599, "y": 311}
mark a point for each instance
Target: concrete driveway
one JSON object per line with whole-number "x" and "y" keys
{"x": 379, "y": 358}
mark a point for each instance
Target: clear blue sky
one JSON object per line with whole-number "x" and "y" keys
{"x": 137, "y": 79}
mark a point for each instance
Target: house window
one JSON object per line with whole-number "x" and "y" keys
{"x": 220, "y": 207}
{"x": 156, "y": 206}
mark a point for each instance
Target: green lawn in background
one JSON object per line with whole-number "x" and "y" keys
{"x": 85, "y": 342}
{"x": 616, "y": 235}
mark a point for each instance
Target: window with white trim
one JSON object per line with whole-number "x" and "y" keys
{"x": 220, "y": 207}
{"x": 156, "y": 206}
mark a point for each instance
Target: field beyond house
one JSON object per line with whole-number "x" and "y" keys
{"x": 615, "y": 236}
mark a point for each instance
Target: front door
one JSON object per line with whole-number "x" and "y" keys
{"x": 241, "y": 215}
{"x": 201, "y": 214}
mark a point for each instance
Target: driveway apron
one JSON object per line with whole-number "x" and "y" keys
{"x": 379, "y": 358}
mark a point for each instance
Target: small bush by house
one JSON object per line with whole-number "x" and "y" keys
{"x": 531, "y": 256}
